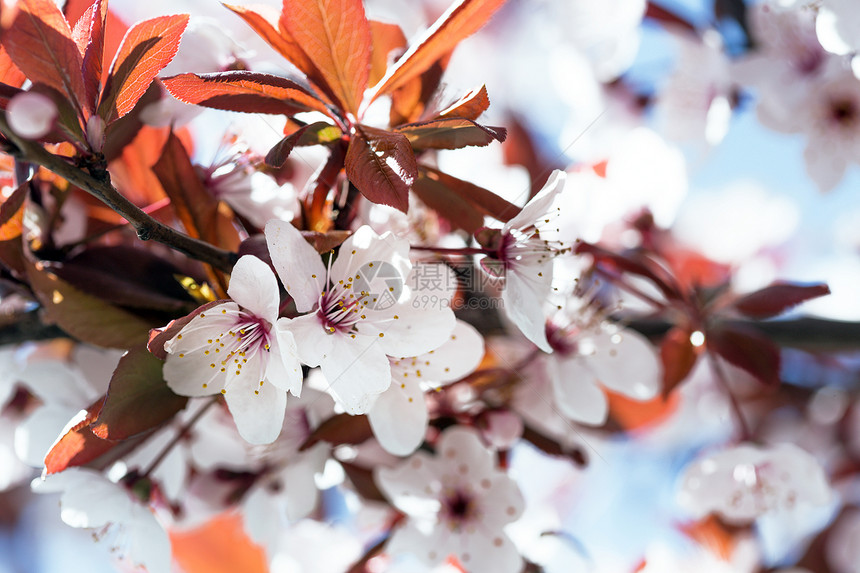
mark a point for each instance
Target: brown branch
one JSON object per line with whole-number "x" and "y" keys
{"x": 148, "y": 229}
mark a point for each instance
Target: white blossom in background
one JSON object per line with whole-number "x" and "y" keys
{"x": 458, "y": 504}
{"x": 525, "y": 250}
{"x": 399, "y": 415}
{"x": 309, "y": 547}
{"x": 115, "y": 513}
{"x": 745, "y": 482}
{"x": 842, "y": 549}
{"x": 695, "y": 104}
{"x": 234, "y": 349}
{"x": 31, "y": 115}
{"x": 588, "y": 355}
{"x": 607, "y": 32}
{"x": 838, "y": 26}
{"x": 348, "y": 332}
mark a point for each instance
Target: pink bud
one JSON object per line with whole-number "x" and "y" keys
{"x": 96, "y": 133}
{"x": 502, "y": 428}
{"x": 31, "y": 115}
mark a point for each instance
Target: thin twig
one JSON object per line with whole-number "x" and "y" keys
{"x": 148, "y": 229}
{"x": 180, "y": 435}
{"x": 723, "y": 380}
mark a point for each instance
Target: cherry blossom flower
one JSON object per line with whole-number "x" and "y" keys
{"x": 457, "y": 504}
{"x": 838, "y": 26}
{"x": 746, "y": 481}
{"x": 399, "y": 415}
{"x": 349, "y": 332}
{"x": 525, "y": 257}
{"x": 233, "y": 348}
{"x": 590, "y": 354}
{"x": 116, "y": 514}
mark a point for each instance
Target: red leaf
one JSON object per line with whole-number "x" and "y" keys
{"x": 461, "y": 20}
{"x": 747, "y": 349}
{"x": 316, "y": 133}
{"x": 12, "y": 213}
{"x": 335, "y": 35}
{"x": 632, "y": 263}
{"x": 158, "y": 337}
{"x": 39, "y": 41}
{"x": 138, "y": 399}
{"x": 448, "y": 203}
{"x": 381, "y": 165}
{"x": 450, "y": 133}
{"x": 249, "y": 92}
{"x": 79, "y": 445}
{"x": 264, "y": 21}
{"x": 486, "y": 202}
{"x": 146, "y": 48}
{"x": 340, "y": 429}
{"x": 9, "y": 72}
{"x": 409, "y": 101}
{"x": 777, "y": 298}
{"x": 386, "y": 38}
{"x": 94, "y": 51}
{"x": 470, "y": 106}
{"x": 678, "y": 356}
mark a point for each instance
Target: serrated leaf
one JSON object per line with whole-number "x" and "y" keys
{"x": 40, "y": 43}
{"x": 85, "y": 317}
{"x": 138, "y": 399}
{"x": 385, "y": 38}
{"x": 381, "y": 165}
{"x": 146, "y": 49}
{"x": 318, "y": 133}
{"x": 450, "y": 133}
{"x": 747, "y": 349}
{"x": 461, "y": 20}
{"x": 678, "y": 356}
{"x": 484, "y": 201}
{"x": 264, "y": 20}
{"x": 94, "y": 51}
{"x": 335, "y": 35}
{"x": 470, "y": 106}
{"x": 249, "y": 92}
{"x": 775, "y": 299}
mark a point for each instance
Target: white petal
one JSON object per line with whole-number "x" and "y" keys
{"x": 313, "y": 343}
{"x": 627, "y": 363}
{"x": 524, "y": 298}
{"x": 149, "y": 543}
{"x": 192, "y": 374}
{"x": 258, "y": 413}
{"x": 413, "y": 486}
{"x": 399, "y": 417}
{"x": 298, "y": 264}
{"x": 284, "y": 369}
{"x": 364, "y": 247}
{"x": 254, "y": 286}
{"x": 503, "y": 502}
{"x": 356, "y": 370}
{"x": 413, "y": 332}
{"x": 300, "y": 489}
{"x": 538, "y": 205}
{"x": 460, "y": 355}
{"x": 35, "y": 436}
{"x": 489, "y": 551}
{"x": 430, "y": 547}
{"x": 461, "y": 447}
{"x": 576, "y": 391}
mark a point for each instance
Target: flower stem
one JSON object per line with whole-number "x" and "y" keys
{"x": 183, "y": 431}
{"x": 745, "y": 433}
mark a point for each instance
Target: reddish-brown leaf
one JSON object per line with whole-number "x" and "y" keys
{"x": 335, "y": 35}
{"x": 485, "y": 201}
{"x": 363, "y": 482}
{"x": 462, "y": 19}
{"x": 678, "y": 356}
{"x": 138, "y": 399}
{"x": 386, "y": 38}
{"x": 450, "y": 133}
{"x": 381, "y": 165}
{"x": 94, "y": 51}
{"x": 146, "y": 49}
{"x": 40, "y": 43}
{"x": 264, "y": 21}
{"x": 9, "y": 72}
{"x": 158, "y": 337}
{"x": 340, "y": 429}
{"x": 747, "y": 349}
{"x": 12, "y": 213}
{"x": 79, "y": 445}
{"x": 632, "y": 263}
{"x": 448, "y": 203}
{"x": 317, "y": 133}
{"x": 777, "y": 298}
{"x": 85, "y": 317}
{"x": 410, "y": 101}
{"x": 249, "y": 92}
{"x": 470, "y": 106}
